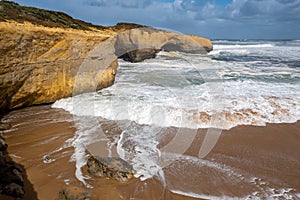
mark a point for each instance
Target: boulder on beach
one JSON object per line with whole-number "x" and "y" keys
{"x": 113, "y": 168}
{"x": 74, "y": 193}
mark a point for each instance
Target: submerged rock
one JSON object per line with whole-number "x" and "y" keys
{"x": 74, "y": 193}
{"x": 115, "y": 168}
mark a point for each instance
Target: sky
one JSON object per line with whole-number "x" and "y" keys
{"x": 214, "y": 19}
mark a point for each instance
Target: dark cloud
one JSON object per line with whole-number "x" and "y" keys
{"x": 280, "y": 10}
{"x": 237, "y": 19}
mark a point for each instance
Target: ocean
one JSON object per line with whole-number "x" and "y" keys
{"x": 248, "y": 82}
{"x": 243, "y": 82}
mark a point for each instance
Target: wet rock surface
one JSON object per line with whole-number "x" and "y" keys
{"x": 113, "y": 168}
{"x": 11, "y": 178}
{"x": 74, "y": 193}
{"x": 4, "y": 126}
{"x": 13, "y": 190}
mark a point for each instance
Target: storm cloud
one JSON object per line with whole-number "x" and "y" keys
{"x": 238, "y": 19}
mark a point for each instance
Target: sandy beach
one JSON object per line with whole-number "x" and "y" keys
{"x": 187, "y": 99}
{"x": 247, "y": 160}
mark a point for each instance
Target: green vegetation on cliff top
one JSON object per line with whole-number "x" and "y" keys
{"x": 12, "y": 11}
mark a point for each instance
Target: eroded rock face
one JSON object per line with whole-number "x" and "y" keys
{"x": 41, "y": 65}
{"x": 114, "y": 168}
{"x": 46, "y": 83}
{"x": 139, "y": 44}
{"x": 140, "y": 55}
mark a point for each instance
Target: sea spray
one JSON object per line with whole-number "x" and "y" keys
{"x": 240, "y": 83}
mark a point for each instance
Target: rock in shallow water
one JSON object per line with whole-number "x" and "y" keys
{"x": 74, "y": 193}
{"x": 115, "y": 168}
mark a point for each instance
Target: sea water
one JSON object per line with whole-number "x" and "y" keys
{"x": 244, "y": 82}
{"x": 239, "y": 83}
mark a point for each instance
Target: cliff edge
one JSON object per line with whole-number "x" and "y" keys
{"x": 47, "y": 55}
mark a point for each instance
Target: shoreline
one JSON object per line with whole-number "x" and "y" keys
{"x": 259, "y": 158}
{"x": 64, "y": 56}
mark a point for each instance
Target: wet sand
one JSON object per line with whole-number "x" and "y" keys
{"x": 247, "y": 160}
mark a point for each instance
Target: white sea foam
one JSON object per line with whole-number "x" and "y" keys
{"x": 183, "y": 90}
{"x": 263, "y": 188}
{"x": 140, "y": 149}
{"x": 241, "y": 102}
{"x": 232, "y": 51}
{"x": 88, "y": 132}
{"x": 202, "y": 196}
{"x": 256, "y": 46}
{"x": 255, "y": 195}
{"x": 282, "y": 52}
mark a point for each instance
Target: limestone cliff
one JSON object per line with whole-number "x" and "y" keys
{"x": 46, "y": 55}
{"x": 42, "y": 53}
{"x": 39, "y": 64}
{"x": 142, "y": 43}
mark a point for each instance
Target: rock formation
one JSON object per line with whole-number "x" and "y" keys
{"x": 11, "y": 179}
{"x": 114, "y": 168}
{"x": 74, "y": 193}
{"x": 40, "y": 65}
{"x": 139, "y": 55}
{"x": 42, "y": 53}
{"x": 139, "y": 44}
{"x": 46, "y": 56}
{"x": 46, "y": 60}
